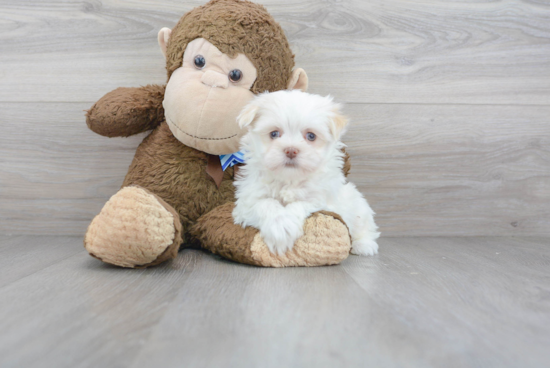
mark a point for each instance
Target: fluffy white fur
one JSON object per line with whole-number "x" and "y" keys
{"x": 276, "y": 192}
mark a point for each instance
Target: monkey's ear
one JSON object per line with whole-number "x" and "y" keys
{"x": 338, "y": 123}
{"x": 163, "y": 37}
{"x": 298, "y": 80}
{"x": 247, "y": 116}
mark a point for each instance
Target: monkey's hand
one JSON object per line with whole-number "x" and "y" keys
{"x": 127, "y": 111}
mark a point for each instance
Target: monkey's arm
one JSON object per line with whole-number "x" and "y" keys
{"x": 127, "y": 111}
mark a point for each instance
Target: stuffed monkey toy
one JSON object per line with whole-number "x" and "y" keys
{"x": 176, "y": 193}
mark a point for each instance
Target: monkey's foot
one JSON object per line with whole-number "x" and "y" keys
{"x": 326, "y": 240}
{"x": 134, "y": 229}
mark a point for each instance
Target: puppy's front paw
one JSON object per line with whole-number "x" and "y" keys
{"x": 288, "y": 196}
{"x": 280, "y": 234}
{"x": 364, "y": 247}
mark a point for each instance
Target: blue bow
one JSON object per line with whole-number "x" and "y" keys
{"x": 231, "y": 159}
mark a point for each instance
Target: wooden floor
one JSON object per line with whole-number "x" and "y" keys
{"x": 441, "y": 302}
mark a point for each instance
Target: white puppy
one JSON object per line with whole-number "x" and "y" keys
{"x": 293, "y": 168}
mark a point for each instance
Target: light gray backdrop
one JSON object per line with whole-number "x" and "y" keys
{"x": 450, "y": 106}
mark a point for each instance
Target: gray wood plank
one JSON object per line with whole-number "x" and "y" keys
{"x": 422, "y": 302}
{"x": 80, "y": 312}
{"x": 22, "y": 256}
{"x": 377, "y": 52}
{"x": 55, "y": 174}
{"x": 237, "y": 316}
{"x": 426, "y": 169}
{"x": 486, "y": 299}
{"x": 453, "y": 170}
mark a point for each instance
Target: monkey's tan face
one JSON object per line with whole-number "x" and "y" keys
{"x": 205, "y": 95}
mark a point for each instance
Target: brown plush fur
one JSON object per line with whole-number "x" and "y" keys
{"x": 237, "y": 27}
{"x": 127, "y": 111}
{"x": 176, "y": 174}
{"x": 347, "y": 163}
{"x": 226, "y": 239}
{"x": 331, "y": 239}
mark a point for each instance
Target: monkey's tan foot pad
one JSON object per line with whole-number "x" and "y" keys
{"x": 134, "y": 229}
{"x": 326, "y": 240}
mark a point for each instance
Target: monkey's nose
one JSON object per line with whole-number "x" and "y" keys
{"x": 291, "y": 152}
{"x": 215, "y": 79}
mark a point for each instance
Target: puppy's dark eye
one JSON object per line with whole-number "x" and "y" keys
{"x": 235, "y": 75}
{"x": 311, "y": 137}
{"x": 274, "y": 134}
{"x": 200, "y": 62}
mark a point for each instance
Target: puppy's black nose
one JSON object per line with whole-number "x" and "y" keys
{"x": 291, "y": 152}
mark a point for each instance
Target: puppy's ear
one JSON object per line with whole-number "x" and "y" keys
{"x": 247, "y": 115}
{"x": 338, "y": 122}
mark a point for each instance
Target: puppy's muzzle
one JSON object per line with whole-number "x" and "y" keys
{"x": 291, "y": 152}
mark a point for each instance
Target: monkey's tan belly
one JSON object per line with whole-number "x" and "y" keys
{"x": 177, "y": 174}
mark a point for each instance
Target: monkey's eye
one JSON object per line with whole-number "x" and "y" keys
{"x": 200, "y": 62}
{"x": 235, "y": 75}
{"x": 274, "y": 134}
{"x": 311, "y": 137}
